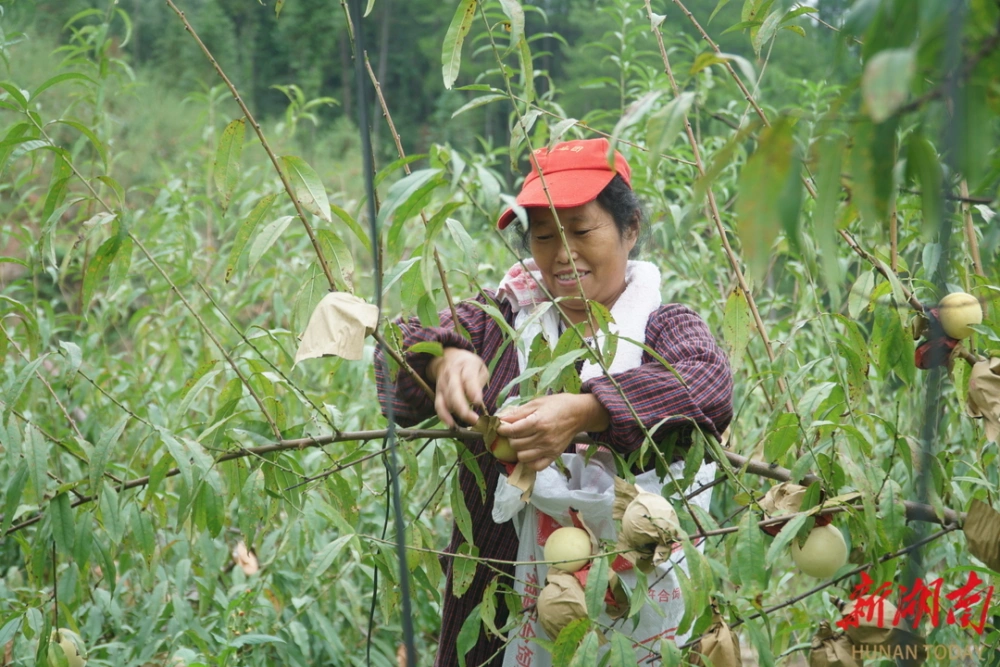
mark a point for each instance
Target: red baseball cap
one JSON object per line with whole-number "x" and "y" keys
{"x": 575, "y": 173}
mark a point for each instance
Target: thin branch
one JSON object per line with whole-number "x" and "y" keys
{"x": 291, "y": 193}
{"x": 807, "y": 182}
{"x": 406, "y": 168}
{"x": 584, "y": 126}
{"x": 798, "y": 598}
{"x": 714, "y": 209}
{"x": 962, "y": 197}
{"x": 970, "y": 230}
{"x": 893, "y": 237}
{"x": 62, "y": 445}
{"x": 170, "y": 282}
{"x": 263, "y": 142}
{"x": 62, "y": 408}
{"x": 938, "y": 91}
{"x": 914, "y": 511}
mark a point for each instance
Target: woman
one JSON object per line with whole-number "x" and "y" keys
{"x": 602, "y": 221}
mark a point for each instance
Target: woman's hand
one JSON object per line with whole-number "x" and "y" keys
{"x": 459, "y": 376}
{"x": 542, "y": 429}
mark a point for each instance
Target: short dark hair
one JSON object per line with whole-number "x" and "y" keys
{"x": 625, "y": 207}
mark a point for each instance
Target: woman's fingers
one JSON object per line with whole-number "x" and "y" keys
{"x": 524, "y": 428}
{"x": 441, "y": 408}
{"x": 460, "y": 382}
{"x": 536, "y": 459}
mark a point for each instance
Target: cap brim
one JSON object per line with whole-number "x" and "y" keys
{"x": 566, "y": 189}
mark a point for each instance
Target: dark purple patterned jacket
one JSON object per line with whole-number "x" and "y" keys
{"x": 674, "y": 331}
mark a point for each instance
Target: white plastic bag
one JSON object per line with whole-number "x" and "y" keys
{"x": 591, "y": 491}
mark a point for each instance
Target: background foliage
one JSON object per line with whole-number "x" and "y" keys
{"x": 153, "y": 286}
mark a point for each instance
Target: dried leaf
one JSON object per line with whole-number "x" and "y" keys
{"x": 982, "y": 534}
{"x": 487, "y": 425}
{"x": 338, "y": 326}
{"x": 561, "y": 602}
{"x": 831, "y": 650}
{"x": 624, "y": 494}
{"x": 719, "y": 645}
{"x": 784, "y": 498}
{"x": 523, "y": 478}
{"x": 246, "y": 559}
{"x": 984, "y": 395}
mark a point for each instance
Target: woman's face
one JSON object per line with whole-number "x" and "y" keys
{"x": 598, "y": 250}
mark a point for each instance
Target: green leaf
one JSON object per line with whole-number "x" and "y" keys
{"x": 770, "y": 193}
{"x": 568, "y": 640}
{"x": 20, "y": 381}
{"x": 405, "y": 199}
{"x": 336, "y": 252}
{"x": 61, "y": 520}
{"x": 477, "y": 102}
{"x": 885, "y": 83}
{"x": 323, "y": 559}
{"x": 468, "y": 635}
{"x": 783, "y": 433}
{"x": 36, "y": 453}
{"x": 268, "y": 235}
{"x": 392, "y": 167}
{"x": 403, "y": 193}
{"x": 635, "y": 112}
{"x": 971, "y": 119}
{"x": 718, "y": 6}
{"x": 353, "y": 224}
{"x": 663, "y": 126}
{"x": 784, "y": 538}
{"x": 245, "y": 231}
{"x": 278, "y": 5}
{"x": 308, "y": 187}
{"x": 527, "y": 70}
{"x": 586, "y": 654}
{"x": 828, "y": 190}
{"x": 518, "y": 133}
{"x": 760, "y": 641}
{"x": 557, "y": 131}
{"x": 111, "y": 516}
{"x": 489, "y": 608}
{"x": 748, "y": 561}
{"x": 226, "y": 169}
{"x": 369, "y": 8}
{"x": 470, "y": 251}
{"x": 142, "y": 531}
{"x": 463, "y": 570}
{"x": 737, "y": 326}
{"x": 922, "y": 165}
{"x": 12, "y": 496}
{"x": 872, "y": 158}
{"x": 427, "y": 347}
{"x": 58, "y": 185}
{"x": 103, "y": 450}
{"x": 767, "y": 30}
{"x": 462, "y": 517}
{"x": 451, "y": 53}
{"x": 670, "y": 654}
{"x": 621, "y": 653}
{"x": 514, "y": 11}
{"x": 87, "y": 132}
{"x": 98, "y": 268}
{"x": 597, "y": 586}
{"x": 254, "y": 639}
